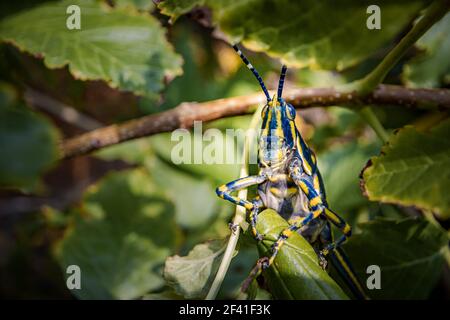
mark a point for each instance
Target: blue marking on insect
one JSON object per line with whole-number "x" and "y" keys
{"x": 290, "y": 183}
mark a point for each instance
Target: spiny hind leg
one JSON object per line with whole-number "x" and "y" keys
{"x": 342, "y": 225}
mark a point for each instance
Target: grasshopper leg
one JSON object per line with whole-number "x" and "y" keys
{"x": 317, "y": 207}
{"x": 342, "y": 225}
{"x": 252, "y": 207}
{"x": 316, "y": 203}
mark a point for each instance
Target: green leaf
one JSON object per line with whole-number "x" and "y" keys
{"x": 126, "y": 49}
{"x": 409, "y": 252}
{"x": 296, "y": 273}
{"x": 195, "y": 199}
{"x": 28, "y": 144}
{"x": 120, "y": 238}
{"x": 413, "y": 170}
{"x": 136, "y": 4}
{"x": 430, "y": 68}
{"x": 305, "y": 33}
{"x": 192, "y": 275}
{"x": 169, "y": 148}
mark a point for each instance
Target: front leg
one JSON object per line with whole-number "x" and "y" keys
{"x": 252, "y": 207}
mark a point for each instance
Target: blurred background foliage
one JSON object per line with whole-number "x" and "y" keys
{"x": 121, "y": 212}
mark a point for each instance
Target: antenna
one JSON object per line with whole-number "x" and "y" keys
{"x": 281, "y": 82}
{"x": 253, "y": 70}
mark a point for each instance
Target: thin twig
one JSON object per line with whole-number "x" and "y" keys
{"x": 184, "y": 115}
{"x": 61, "y": 110}
{"x": 240, "y": 212}
{"x": 370, "y": 117}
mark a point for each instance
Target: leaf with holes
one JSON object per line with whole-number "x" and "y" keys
{"x": 126, "y": 49}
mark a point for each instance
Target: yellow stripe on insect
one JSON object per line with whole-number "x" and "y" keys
{"x": 304, "y": 187}
{"x": 292, "y": 130}
{"x": 275, "y": 191}
{"x": 278, "y": 177}
{"x": 313, "y": 158}
{"x": 348, "y": 270}
{"x": 248, "y": 206}
{"x": 332, "y": 216}
{"x": 287, "y": 233}
{"x": 316, "y": 213}
{"x": 279, "y": 130}
{"x": 315, "y": 201}
{"x": 269, "y": 118}
{"x": 347, "y": 229}
{"x": 305, "y": 163}
{"x": 292, "y": 190}
{"x": 317, "y": 183}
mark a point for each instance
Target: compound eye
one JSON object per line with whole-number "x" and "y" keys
{"x": 264, "y": 111}
{"x": 290, "y": 112}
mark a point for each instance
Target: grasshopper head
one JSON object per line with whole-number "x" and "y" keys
{"x": 278, "y": 132}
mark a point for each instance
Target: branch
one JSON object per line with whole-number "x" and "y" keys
{"x": 62, "y": 111}
{"x": 184, "y": 115}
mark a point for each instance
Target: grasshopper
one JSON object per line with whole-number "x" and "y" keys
{"x": 290, "y": 183}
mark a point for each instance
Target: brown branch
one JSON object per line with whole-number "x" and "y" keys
{"x": 184, "y": 115}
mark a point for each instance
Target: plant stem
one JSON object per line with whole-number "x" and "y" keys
{"x": 432, "y": 14}
{"x": 240, "y": 213}
{"x": 371, "y": 118}
{"x": 366, "y": 85}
